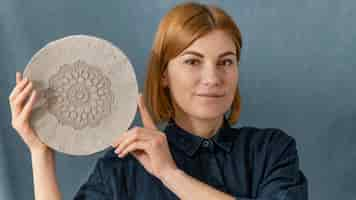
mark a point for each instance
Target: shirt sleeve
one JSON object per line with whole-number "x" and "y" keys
{"x": 282, "y": 179}
{"x": 95, "y": 187}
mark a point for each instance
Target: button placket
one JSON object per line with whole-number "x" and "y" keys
{"x": 212, "y": 170}
{"x": 206, "y": 143}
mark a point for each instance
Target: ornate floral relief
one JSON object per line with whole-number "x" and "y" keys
{"x": 79, "y": 95}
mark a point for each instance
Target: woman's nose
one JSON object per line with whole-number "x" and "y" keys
{"x": 211, "y": 75}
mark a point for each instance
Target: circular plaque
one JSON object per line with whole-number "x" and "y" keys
{"x": 87, "y": 94}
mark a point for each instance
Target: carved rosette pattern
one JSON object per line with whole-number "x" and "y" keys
{"x": 79, "y": 95}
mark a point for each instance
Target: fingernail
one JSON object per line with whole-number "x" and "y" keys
{"x": 117, "y": 150}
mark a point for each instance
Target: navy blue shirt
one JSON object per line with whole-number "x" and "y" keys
{"x": 247, "y": 163}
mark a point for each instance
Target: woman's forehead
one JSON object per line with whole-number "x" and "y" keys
{"x": 213, "y": 43}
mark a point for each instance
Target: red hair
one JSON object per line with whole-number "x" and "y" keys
{"x": 178, "y": 29}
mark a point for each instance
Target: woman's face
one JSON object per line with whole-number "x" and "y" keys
{"x": 203, "y": 79}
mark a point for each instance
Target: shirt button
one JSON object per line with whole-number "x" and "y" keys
{"x": 206, "y": 143}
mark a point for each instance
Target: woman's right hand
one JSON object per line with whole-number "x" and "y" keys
{"x": 22, "y": 99}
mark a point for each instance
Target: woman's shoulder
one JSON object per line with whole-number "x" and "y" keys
{"x": 253, "y": 133}
{"x": 264, "y": 139}
{"x": 110, "y": 157}
{"x": 109, "y": 160}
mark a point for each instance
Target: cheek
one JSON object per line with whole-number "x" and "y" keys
{"x": 232, "y": 84}
{"x": 232, "y": 78}
{"x": 181, "y": 80}
{"x": 181, "y": 85}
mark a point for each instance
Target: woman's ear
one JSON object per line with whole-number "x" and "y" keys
{"x": 164, "y": 79}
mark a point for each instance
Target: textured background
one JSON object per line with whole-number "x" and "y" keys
{"x": 297, "y": 73}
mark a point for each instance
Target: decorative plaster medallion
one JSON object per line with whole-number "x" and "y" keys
{"x": 87, "y": 94}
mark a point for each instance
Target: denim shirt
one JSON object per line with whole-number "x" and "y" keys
{"x": 246, "y": 163}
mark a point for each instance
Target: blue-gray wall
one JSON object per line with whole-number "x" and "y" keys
{"x": 297, "y": 73}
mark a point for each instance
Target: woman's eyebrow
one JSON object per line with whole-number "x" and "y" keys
{"x": 202, "y": 56}
{"x": 226, "y": 54}
{"x": 193, "y": 53}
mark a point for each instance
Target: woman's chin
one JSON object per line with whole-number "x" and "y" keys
{"x": 209, "y": 113}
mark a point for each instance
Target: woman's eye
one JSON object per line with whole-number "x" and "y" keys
{"x": 226, "y": 62}
{"x": 192, "y": 62}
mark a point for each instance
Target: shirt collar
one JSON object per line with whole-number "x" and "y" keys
{"x": 190, "y": 143}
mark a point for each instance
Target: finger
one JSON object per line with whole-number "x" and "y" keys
{"x": 26, "y": 112}
{"x": 121, "y": 137}
{"x": 145, "y": 116}
{"x": 138, "y": 145}
{"x": 18, "y": 88}
{"x": 118, "y": 140}
{"x": 21, "y": 97}
{"x": 18, "y": 77}
{"x": 132, "y": 135}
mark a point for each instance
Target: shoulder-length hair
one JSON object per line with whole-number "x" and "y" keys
{"x": 178, "y": 29}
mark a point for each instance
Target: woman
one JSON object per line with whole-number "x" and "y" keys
{"x": 191, "y": 84}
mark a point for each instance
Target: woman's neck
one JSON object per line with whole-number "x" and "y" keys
{"x": 205, "y": 128}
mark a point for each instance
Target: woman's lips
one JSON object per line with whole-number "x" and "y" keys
{"x": 211, "y": 95}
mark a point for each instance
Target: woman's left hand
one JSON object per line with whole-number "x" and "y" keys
{"x": 147, "y": 144}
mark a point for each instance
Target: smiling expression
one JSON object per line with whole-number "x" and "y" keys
{"x": 203, "y": 78}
